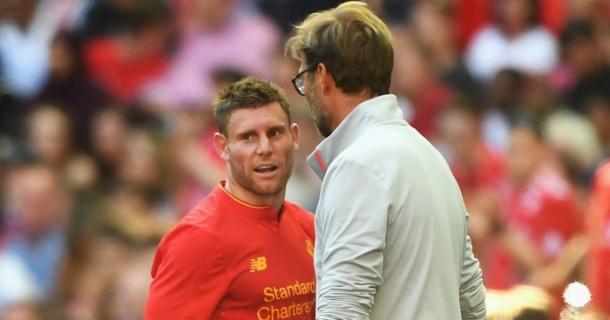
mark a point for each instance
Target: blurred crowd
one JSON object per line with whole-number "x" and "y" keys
{"x": 106, "y": 125}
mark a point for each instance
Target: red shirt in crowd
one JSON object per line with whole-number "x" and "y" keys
{"x": 117, "y": 72}
{"x": 545, "y": 213}
{"x": 599, "y": 254}
{"x": 472, "y": 15}
{"x": 427, "y": 108}
{"x": 230, "y": 260}
{"x": 486, "y": 173}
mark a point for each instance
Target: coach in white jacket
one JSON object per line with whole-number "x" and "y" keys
{"x": 392, "y": 231}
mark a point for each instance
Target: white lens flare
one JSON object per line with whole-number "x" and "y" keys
{"x": 577, "y": 295}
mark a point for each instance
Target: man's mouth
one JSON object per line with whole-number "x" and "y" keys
{"x": 268, "y": 168}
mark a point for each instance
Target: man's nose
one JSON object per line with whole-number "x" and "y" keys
{"x": 264, "y": 146}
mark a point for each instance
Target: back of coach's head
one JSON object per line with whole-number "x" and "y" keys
{"x": 353, "y": 44}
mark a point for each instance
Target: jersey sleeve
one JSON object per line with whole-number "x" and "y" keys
{"x": 189, "y": 276}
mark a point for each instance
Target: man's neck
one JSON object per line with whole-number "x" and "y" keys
{"x": 275, "y": 201}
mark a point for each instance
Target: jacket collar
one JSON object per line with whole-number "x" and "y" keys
{"x": 376, "y": 111}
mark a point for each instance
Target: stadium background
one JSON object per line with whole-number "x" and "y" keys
{"x": 105, "y": 134}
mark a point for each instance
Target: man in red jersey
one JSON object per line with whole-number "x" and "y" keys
{"x": 243, "y": 252}
{"x": 598, "y": 265}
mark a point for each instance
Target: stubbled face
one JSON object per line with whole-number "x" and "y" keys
{"x": 259, "y": 147}
{"x": 317, "y": 108}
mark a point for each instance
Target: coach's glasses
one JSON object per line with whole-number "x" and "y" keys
{"x": 298, "y": 81}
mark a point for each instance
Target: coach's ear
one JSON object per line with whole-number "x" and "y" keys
{"x": 220, "y": 144}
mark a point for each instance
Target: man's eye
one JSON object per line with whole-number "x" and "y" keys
{"x": 274, "y": 133}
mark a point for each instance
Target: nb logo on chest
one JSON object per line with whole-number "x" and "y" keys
{"x": 258, "y": 264}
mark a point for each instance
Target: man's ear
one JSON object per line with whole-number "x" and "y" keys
{"x": 221, "y": 145}
{"x": 295, "y": 131}
{"x": 324, "y": 79}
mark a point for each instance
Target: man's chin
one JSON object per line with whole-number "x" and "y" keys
{"x": 267, "y": 188}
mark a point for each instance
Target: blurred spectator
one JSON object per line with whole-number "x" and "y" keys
{"x": 478, "y": 169}
{"x": 414, "y": 79}
{"x": 129, "y": 223}
{"x": 68, "y": 86}
{"x": 507, "y": 43}
{"x": 38, "y": 212}
{"x": 49, "y": 136}
{"x": 108, "y": 139}
{"x": 505, "y": 102}
{"x": 123, "y": 64}
{"x": 588, "y": 74}
{"x": 434, "y": 27}
{"x": 598, "y": 267}
{"x": 25, "y": 36}
{"x": 49, "y": 141}
{"x": 539, "y": 223}
{"x": 133, "y": 218}
{"x": 142, "y": 166}
{"x": 26, "y": 31}
{"x": 216, "y": 34}
{"x": 112, "y": 17}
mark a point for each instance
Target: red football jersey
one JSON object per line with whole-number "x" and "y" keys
{"x": 230, "y": 260}
{"x": 599, "y": 226}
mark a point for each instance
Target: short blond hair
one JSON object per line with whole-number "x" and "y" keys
{"x": 353, "y": 43}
